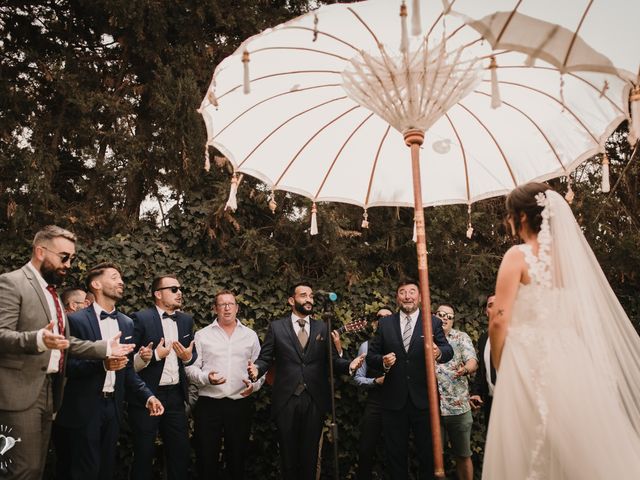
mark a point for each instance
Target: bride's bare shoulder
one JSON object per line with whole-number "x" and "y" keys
{"x": 514, "y": 254}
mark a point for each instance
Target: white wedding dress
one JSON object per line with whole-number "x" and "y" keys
{"x": 567, "y": 399}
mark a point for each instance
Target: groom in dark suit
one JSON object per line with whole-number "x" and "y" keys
{"x": 398, "y": 349}
{"x": 297, "y": 346}
{"x": 162, "y": 369}
{"x": 93, "y": 403}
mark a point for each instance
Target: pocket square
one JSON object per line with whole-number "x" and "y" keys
{"x": 185, "y": 336}
{"x": 128, "y": 338}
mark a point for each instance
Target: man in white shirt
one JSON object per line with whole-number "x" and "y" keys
{"x": 482, "y": 386}
{"x": 224, "y": 408}
{"x": 93, "y": 405}
{"x": 34, "y": 342}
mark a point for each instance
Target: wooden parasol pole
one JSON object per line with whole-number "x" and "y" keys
{"x": 414, "y": 139}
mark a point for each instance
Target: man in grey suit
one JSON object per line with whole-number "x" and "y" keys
{"x": 34, "y": 344}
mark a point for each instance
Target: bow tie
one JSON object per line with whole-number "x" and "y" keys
{"x": 173, "y": 316}
{"x": 104, "y": 315}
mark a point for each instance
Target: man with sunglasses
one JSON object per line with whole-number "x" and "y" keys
{"x": 34, "y": 349}
{"x": 164, "y": 341}
{"x": 453, "y": 385}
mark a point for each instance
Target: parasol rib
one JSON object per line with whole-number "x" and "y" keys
{"x": 320, "y": 32}
{"x": 559, "y": 102}
{"x": 575, "y": 34}
{"x": 506, "y": 24}
{"x": 495, "y": 142}
{"x": 464, "y": 156}
{"x": 299, "y": 114}
{"x": 572, "y": 75}
{"x": 375, "y": 164}
{"x": 279, "y": 74}
{"x": 305, "y": 49}
{"x": 355, "y": 130}
{"x": 288, "y": 92}
{"x": 320, "y": 130}
{"x": 544, "y": 135}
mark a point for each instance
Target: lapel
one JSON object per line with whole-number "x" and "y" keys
{"x": 315, "y": 329}
{"x": 36, "y": 286}
{"x": 93, "y": 322}
{"x": 395, "y": 326}
{"x": 417, "y": 334}
{"x": 157, "y": 325}
{"x": 288, "y": 326}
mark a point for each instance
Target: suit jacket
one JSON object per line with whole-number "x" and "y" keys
{"x": 85, "y": 378}
{"x": 148, "y": 328}
{"x": 479, "y": 385}
{"x": 23, "y": 311}
{"x": 294, "y": 366}
{"x": 407, "y": 378}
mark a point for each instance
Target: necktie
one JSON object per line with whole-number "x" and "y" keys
{"x": 406, "y": 333}
{"x": 303, "y": 336}
{"x": 104, "y": 315}
{"x": 52, "y": 290}
{"x": 171, "y": 316}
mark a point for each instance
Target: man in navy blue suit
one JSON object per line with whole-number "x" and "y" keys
{"x": 94, "y": 396}
{"x": 162, "y": 369}
{"x": 398, "y": 349}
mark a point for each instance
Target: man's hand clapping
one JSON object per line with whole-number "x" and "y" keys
{"x": 115, "y": 363}
{"x": 146, "y": 352}
{"x": 183, "y": 353}
{"x": 120, "y": 349}
{"x": 163, "y": 350}
{"x": 215, "y": 379}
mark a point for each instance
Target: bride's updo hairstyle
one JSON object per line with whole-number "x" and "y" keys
{"x": 522, "y": 199}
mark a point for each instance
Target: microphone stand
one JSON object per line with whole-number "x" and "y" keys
{"x": 327, "y": 314}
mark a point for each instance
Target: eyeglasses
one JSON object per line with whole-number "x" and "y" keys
{"x": 64, "y": 256}
{"x": 226, "y": 305}
{"x": 173, "y": 289}
{"x": 445, "y": 315}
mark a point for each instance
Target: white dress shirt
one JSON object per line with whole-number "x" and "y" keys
{"x": 54, "y": 360}
{"x": 108, "y": 329}
{"x": 227, "y": 355}
{"x": 170, "y": 372}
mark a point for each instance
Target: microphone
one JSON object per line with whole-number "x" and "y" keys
{"x": 332, "y": 296}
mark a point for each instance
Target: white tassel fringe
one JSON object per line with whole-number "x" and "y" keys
{"x": 314, "y": 220}
{"x": 232, "y": 203}
{"x": 606, "y": 186}
{"x": 495, "y": 90}
{"x": 245, "y": 68}
{"x": 416, "y": 22}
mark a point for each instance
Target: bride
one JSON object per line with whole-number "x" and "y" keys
{"x": 567, "y": 399}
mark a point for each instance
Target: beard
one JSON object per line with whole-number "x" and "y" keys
{"x": 113, "y": 293}
{"x": 51, "y": 274}
{"x": 306, "y": 307}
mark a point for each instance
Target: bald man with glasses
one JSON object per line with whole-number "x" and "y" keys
{"x": 165, "y": 346}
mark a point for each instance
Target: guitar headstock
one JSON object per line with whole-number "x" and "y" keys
{"x": 353, "y": 327}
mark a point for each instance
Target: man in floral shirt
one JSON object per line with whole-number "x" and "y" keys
{"x": 455, "y": 411}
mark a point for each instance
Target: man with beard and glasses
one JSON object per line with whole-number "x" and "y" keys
{"x": 297, "y": 346}
{"x": 398, "y": 349}
{"x": 34, "y": 348}
{"x": 93, "y": 404}
{"x": 163, "y": 370}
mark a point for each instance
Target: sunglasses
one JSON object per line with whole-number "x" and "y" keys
{"x": 64, "y": 256}
{"x": 445, "y": 315}
{"x": 173, "y": 289}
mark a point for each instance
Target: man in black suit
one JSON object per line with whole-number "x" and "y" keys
{"x": 482, "y": 386}
{"x": 162, "y": 369}
{"x": 94, "y": 396}
{"x": 297, "y": 346}
{"x": 398, "y": 349}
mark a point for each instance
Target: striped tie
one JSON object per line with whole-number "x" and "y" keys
{"x": 406, "y": 333}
